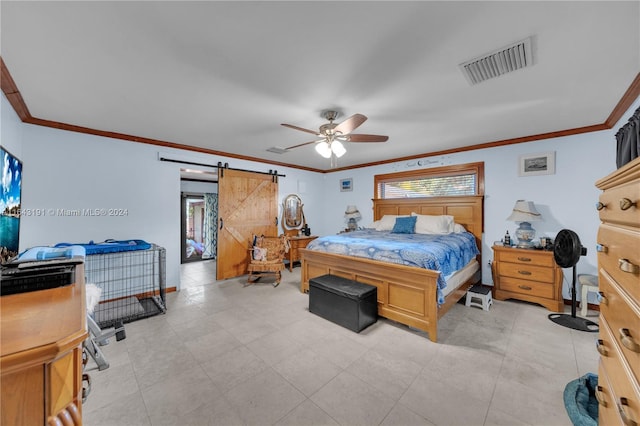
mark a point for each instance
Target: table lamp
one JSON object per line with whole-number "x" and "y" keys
{"x": 525, "y": 212}
{"x": 353, "y": 216}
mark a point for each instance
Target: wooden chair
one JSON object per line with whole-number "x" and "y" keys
{"x": 266, "y": 257}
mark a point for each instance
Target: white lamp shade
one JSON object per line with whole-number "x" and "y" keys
{"x": 524, "y": 211}
{"x": 338, "y": 149}
{"x": 323, "y": 149}
{"x": 352, "y": 212}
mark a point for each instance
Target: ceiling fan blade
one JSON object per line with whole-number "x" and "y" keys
{"x": 303, "y": 144}
{"x": 291, "y": 126}
{"x": 367, "y": 138}
{"x": 350, "y": 124}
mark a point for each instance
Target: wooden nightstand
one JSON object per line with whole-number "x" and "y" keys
{"x": 530, "y": 275}
{"x": 297, "y": 243}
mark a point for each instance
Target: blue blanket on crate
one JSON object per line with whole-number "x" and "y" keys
{"x": 110, "y": 246}
{"x": 446, "y": 253}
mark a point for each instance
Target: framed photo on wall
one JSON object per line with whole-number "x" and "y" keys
{"x": 543, "y": 163}
{"x": 346, "y": 184}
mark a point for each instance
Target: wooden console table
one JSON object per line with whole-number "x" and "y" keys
{"x": 41, "y": 354}
{"x": 295, "y": 244}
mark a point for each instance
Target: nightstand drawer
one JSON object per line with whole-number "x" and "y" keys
{"x": 530, "y": 288}
{"x": 526, "y": 257}
{"x": 526, "y": 272}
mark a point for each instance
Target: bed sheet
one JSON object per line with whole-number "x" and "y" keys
{"x": 445, "y": 253}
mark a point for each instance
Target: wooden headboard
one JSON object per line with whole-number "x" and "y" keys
{"x": 467, "y": 210}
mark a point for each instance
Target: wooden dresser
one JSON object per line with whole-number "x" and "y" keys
{"x": 296, "y": 243}
{"x": 619, "y": 286}
{"x": 41, "y": 364}
{"x": 529, "y": 275}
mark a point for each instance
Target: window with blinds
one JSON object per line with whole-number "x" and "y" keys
{"x": 462, "y": 179}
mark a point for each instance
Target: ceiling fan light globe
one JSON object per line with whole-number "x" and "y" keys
{"x": 323, "y": 149}
{"x": 338, "y": 149}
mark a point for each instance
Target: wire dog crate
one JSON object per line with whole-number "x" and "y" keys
{"x": 133, "y": 284}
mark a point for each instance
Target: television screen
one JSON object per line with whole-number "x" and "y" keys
{"x": 10, "y": 206}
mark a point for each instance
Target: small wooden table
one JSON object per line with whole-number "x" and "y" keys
{"x": 295, "y": 244}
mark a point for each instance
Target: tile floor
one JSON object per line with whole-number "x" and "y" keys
{"x": 225, "y": 354}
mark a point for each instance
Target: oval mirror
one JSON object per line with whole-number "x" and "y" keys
{"x": 292, "y": 211}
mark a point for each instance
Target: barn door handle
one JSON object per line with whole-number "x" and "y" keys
{"x": 221, "y": 223}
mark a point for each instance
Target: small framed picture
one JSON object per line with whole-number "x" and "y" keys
{"x": 543, "y": 163}
{"x": 346, "y": 184}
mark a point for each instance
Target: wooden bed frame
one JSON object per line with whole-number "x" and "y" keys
{"x": 405, "y": 294}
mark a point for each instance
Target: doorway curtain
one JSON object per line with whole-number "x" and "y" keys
{"x": 210, "y": 225}
{"x": 628, "y": 140}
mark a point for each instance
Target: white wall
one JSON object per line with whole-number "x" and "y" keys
{"x": 10, "y": 129}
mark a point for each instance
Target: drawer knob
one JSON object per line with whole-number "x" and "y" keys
{"x": 524, "y": 287}
{"x": 603, "y": 299}
{"x": 601, "y": 248}
{"x": 627, "y": 266}
{"x": 627, "y": 340}
{"x": 600, "y": 206}
{"x": 623, "y": 408}
{"x": 524, "y": 272}
{"x": 600, "y": 396}
{"x": 626, "y": 204}
{"x": 524, "y": 259}
{"x": 600, "y": 347}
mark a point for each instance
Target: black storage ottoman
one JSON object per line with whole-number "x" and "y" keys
{"x": 345, "y": 302}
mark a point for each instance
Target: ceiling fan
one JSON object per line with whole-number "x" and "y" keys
{"x": 332, "y": 135}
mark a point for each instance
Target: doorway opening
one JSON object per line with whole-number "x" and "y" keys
{"x": 192, "y": 227}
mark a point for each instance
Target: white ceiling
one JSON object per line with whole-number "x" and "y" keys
{"x": 224, "y": 75}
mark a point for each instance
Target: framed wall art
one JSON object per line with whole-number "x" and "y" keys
{"x": 346, "y": 184}
{"x": 543, "y": 163}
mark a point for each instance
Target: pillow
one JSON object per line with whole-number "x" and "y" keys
{"x": 458, "y": 229}
{"x": 428, "y": 224}
{"x": 387, "y": 222}
{"x": 259, "y": 253}
{"x": 404, "y": 225}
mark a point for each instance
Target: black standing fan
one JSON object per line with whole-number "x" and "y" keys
{"x": 566, "y": 252}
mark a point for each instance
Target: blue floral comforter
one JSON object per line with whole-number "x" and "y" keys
{"x": 446, "y": 253}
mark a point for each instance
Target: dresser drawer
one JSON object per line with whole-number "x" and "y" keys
{"x": 623, "y": 385}
{"x": 623, "y": 317}
{"x": 530, "y": 257}
{"x": 526, "y": 272}
{"x": 531, "y": 288}
{"x": 609, "y": 403}
{"x": 620, "y": 256}
{"x": 614, "y": 199}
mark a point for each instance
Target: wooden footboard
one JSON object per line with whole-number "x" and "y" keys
{"x": 405, "y": 294}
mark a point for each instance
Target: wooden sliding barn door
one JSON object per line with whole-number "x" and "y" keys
{"x": 247, "y": 205}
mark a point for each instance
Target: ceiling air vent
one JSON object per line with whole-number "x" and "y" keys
{"x": 277, "y": 150}
{"x": 513, "y": 57}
